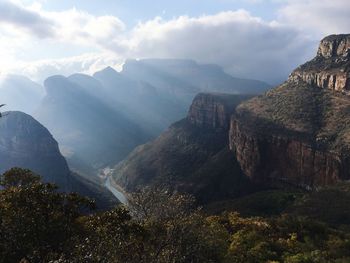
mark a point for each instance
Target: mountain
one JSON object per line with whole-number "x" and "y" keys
{"x": 26, "y": 143}
{"x": 298, "y": 133}
{"x": 20, "y": 93}
{"x": 192, "y": 155}
{"x": 98, "y": 120}
{"x": 206, "y": 77}
{"x": 295, "y": 135}
{"x": 178, "y": 81}
{"x": 144, "y": 104}
{"x": 90, "y": 133}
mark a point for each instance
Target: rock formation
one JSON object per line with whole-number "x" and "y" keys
{"x": 213, "y": 110}
{"x": 192, "y": 155}
{"x": 25, "y": 143}
{"x": 298, "y": 133}
{"x": 330, "y": 69}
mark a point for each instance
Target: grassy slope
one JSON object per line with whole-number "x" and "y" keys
{"x": 296, "y": 109}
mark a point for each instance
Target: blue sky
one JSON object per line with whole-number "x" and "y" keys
{"x": 261, "y": 39}
{"x": 132, "y": 11}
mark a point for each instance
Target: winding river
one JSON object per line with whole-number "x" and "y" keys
{"x": 119, "y": 195}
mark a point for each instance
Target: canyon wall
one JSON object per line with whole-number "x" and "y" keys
{"x": 296, "y": 134}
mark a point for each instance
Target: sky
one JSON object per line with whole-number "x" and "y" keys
{"x": 260, "y": 39}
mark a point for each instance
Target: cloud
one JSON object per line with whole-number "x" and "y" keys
{"x": 68, "y": 26}
{"x": 86, "y": 63}
{"x": 317, "y": 18}
{"x": 244, "y": 45}
{"x": 26, "y": 19}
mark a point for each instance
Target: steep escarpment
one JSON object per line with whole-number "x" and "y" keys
{"x": 298, "y": 133}
{"x": 330, "y": 69}
{"x": 213, "y": 110}
{"x": 192, "y": 155}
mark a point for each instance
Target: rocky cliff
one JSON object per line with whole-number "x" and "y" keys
{"x": 192, "y": 155}
{"x": 299, "y": 133}
{"x": 213, "y": 110}
{"x": 330, "y": 69}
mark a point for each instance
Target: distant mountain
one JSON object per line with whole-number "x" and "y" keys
{"x": 192, "y": 155}
{"x": 20, "y": 93}
{"x": 151, "y": 108}
{"x": 25, "y": 143}
{"x": 190, "y": 77}
{"x": 99, "y": 119}
{"x": 87, "y": 129}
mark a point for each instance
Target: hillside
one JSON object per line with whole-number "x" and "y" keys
{"x": 192, "y": 155}
{"x": 298, "y": 133}
{"x": 26, "y": 143}
{"x": 89, "y": 131}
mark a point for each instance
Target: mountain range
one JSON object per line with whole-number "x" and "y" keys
{"x": 295, "y": 135}
{"x": 98, "y": 120}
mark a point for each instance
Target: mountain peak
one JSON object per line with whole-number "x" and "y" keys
{"x": 330, "y": 69}
{"x": 108, "y": 70}
{"x": 334, "y": 45}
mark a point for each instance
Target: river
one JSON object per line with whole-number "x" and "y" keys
{"x": 119, "y": 195}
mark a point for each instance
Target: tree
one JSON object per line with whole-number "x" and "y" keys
{"x": 36, "y": 222}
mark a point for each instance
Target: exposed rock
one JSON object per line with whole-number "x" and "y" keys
{"x": 298, "y": 133}
{"x": 334, "y": 45}
{"x": 213, "y": 110}
{"x": 192, "y": 155}
{"x": 277, "y": 161}
{"x": 330, "y": 68}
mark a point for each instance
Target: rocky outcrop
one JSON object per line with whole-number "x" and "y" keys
{"x": 213, "y": 110}
{"x": 280, "y": 161}
{"x": 326, "y": 80}
{"x": 330, "y": 68}
{"x": 25, "y": 143}
{"x": 334, "y": 45}
{"x": 298, "y": 133}
{"x": 191, "y": 156}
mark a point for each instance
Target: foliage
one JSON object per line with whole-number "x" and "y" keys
{"x": 40, "y": 224}
{"x": 36, "y": 221}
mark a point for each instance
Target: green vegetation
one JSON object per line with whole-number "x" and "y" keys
{"x": 40, "y": 224}
{"x": 299, "y": 110}
{"x": 189, "y": 158}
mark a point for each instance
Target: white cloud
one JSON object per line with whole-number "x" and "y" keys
{"x": 26, "y": 19}
{"x": 245, "y": 45}
{"x": 86, "y": 63}
{"x": 317, "y": 18}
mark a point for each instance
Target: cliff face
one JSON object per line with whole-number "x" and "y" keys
{"x": 213, "y": 110}
{"x": 25, "y": 143}
{"x": 279, "y": 160}
{"x": 298, "y": 133}
{"x": 330, "y": 68}
{"x": 192, "y": 155}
